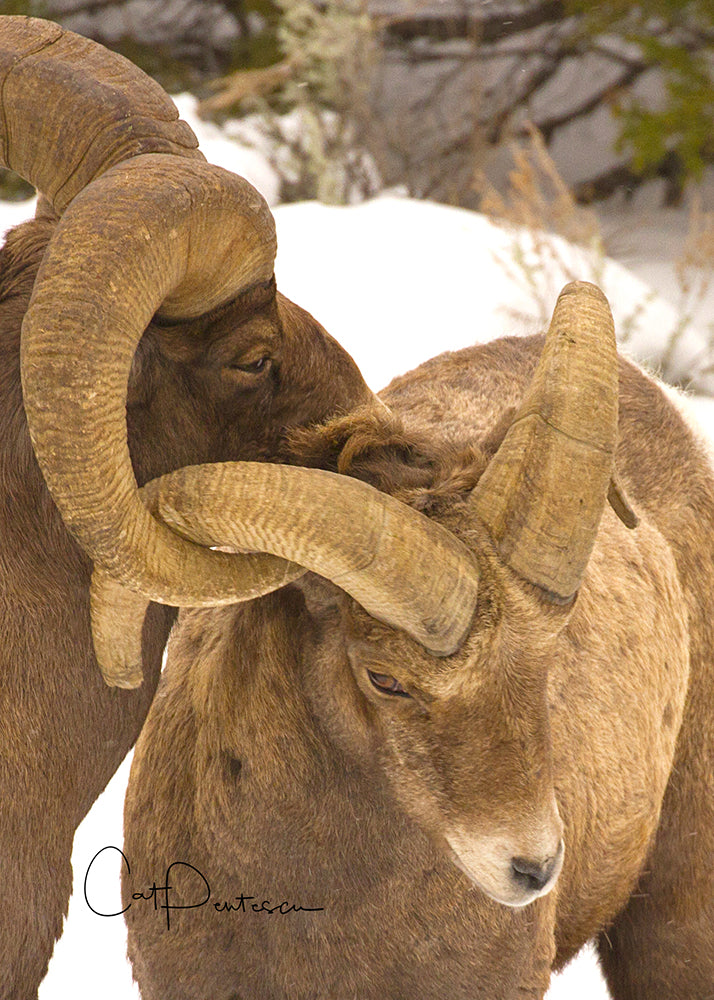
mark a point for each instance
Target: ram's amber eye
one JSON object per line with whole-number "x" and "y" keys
{"x": 387, "y": 684}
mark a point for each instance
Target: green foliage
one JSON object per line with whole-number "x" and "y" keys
{"x": 255, "y": 48}
{"x": 19, "y": 7}
{"x": 677, "y": 37}
{"x": 607, "y": 14}
{"x": 684, "y": 125}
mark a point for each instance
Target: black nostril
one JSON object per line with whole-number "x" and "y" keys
{"x": 532, "y": 875}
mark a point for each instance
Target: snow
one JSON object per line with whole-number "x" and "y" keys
{"x": 395, "y": 281}
{"x": 435, "y": 284}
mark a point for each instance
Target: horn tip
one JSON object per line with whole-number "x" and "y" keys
{"x": 582, "y": 288}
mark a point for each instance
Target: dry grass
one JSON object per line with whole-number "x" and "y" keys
{"x": 535, "y": 207}
{"x": 695, "y": 278}
{"x": 537, "y": 197}
{"x": 555, "y": 239}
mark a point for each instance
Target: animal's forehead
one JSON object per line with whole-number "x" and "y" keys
{"x": 257, "y": 331}
{"x": 248, "y": 317}
{"x": 387, "y": 650}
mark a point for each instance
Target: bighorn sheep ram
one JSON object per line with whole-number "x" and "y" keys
{"x": 490, "y": 684}
{"x": 150, "y": 269}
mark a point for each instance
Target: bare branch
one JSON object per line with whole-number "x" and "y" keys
{"x": 488, "y": 27}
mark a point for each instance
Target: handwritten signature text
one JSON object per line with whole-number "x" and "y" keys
{"x": 195, "y": 887}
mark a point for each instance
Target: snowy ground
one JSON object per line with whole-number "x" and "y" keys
{"x": 396, "y": 282}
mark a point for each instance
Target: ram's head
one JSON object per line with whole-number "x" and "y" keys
{"x": 442, "y": 633}
{"x": 151, "y": 247}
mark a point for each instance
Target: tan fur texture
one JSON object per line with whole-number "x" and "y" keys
{"x": 272, "y": 765}
{"x": 192, "y": 397}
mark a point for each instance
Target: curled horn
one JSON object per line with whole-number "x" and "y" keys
{"x": 543, "y": 493}
{"x": 70, "y": 110}
{"x": 402, "y": 567}
{"x": 541, "y": 499}
{"x": 146, "y": 225}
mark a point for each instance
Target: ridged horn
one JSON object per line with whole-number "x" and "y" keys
{"x": 141, "y": 231}
{"x": 542, "y": 495}
{"x": 403, "y": 568}
{"x": 153, "y": 232}
{"x": 70, "y": 109}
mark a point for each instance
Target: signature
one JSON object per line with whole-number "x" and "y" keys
{"x": 195, "y": 886}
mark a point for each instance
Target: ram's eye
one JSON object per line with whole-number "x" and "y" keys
{"x": 252, "y": 367}
{"x": 387, "y": 684}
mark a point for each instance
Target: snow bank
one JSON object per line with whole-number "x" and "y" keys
{"x": 454, "y": 272}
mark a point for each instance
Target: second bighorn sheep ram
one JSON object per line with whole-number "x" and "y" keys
{"x": 152, "y": 336}
{"x": 488, "y": 686}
